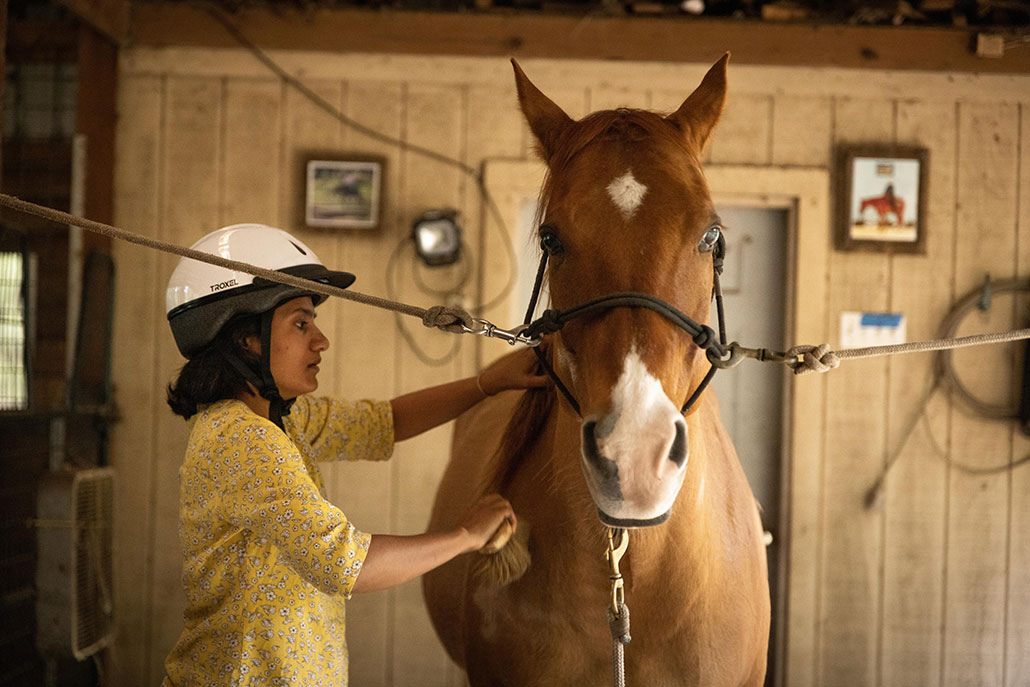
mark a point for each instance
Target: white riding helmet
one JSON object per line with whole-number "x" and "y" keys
{"x": 201, "y": 297}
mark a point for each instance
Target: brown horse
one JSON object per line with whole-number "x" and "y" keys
{"x": 627, "y": 209}
{"x": 884, "y": 206}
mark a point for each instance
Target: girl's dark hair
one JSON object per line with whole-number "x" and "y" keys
{"x": 208, "y": 377}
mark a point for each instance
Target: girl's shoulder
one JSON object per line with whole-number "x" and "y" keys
{"x": 226, "y": 410}
{"x": 231, "y": 418}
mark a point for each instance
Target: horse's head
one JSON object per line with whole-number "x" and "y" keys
{"x": 626, "y": 208}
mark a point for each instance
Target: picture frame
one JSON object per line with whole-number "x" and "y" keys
{"x": 881, "y": 198}
{"x": 343, "y": 193}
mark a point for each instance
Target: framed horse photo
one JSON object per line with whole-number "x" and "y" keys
{"x": 881, "y": 201}
{"x": 343, "y": 194}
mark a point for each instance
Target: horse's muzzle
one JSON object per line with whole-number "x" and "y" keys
{"x": 634, "y": 481}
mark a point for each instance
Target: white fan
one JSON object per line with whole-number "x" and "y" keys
{"x": 74, "y": 606}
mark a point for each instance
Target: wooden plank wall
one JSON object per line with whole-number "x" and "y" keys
{"x": 928, "y": 588}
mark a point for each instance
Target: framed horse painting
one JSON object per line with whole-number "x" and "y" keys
{"x": 881, "y": 198}
{"x": 343, "y": 193}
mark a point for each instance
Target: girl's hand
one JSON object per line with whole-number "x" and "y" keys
{"x": 392, "y": 560}
{"x": 519, "y": 370}
{"x": 484, "y": 518}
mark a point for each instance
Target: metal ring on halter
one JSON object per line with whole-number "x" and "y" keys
{"x": 731, "y": 358}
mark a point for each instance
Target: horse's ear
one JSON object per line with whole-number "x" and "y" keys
{"x": 698, "y": 114}
{"x": 546, "y": 120}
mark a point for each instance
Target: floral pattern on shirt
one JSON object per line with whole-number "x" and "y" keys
{"x": 268, "y": 561}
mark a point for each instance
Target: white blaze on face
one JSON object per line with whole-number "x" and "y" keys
{"x": 638, "y": 401}
{"x": 637, "y": 436}
{"x": 627, "y": 193}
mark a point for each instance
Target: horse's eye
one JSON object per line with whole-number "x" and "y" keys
{"x": 550, "y": 242}
{"x": 710, "y": 239}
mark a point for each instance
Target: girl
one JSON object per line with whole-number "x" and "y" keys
{"x": 269, "y": 561}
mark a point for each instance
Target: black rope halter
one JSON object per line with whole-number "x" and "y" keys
{"x": 551, "y": 321}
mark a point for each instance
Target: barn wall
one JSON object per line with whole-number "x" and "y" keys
{"x": 928, "y": 588}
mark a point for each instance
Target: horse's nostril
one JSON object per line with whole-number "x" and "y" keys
{"x": 592, "y": 452}
{"x": 678, "y": 452}
{"x": 590, "y": 448}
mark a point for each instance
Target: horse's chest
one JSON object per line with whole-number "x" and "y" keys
{"x": 527, "y": 634}
{"x": 535, "y": 632}
{"x": 529, "y": 644}
{"x": 541, "y": 631}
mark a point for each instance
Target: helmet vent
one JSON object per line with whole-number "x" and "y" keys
{"x": 299, "y": 249}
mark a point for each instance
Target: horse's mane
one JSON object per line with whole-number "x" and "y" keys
{"x": 522, "y": 431}
{"x": 624, "y": 125}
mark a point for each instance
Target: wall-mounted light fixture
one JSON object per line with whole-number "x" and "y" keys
{"x": 437, "y": 237}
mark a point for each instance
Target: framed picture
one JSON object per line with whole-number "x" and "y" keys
{"x": 881, "y": 199}
{"x": 343, "y": 194}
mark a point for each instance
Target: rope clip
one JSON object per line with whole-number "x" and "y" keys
{"x": 614, "y": 556}
{"x": 512, "y": 336}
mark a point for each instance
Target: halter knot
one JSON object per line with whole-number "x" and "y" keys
{"x": 706, "y": 338}
{"x": 449, "y": 319}
{"x": 548, "y": 323}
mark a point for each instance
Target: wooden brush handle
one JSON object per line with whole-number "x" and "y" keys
{"x": 499, "y": 539}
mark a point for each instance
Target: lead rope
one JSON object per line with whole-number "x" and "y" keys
{"x": 618, "y": 612}
{"x": 449, "y": 319}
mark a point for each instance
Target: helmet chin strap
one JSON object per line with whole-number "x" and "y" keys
{"x": 262, "y": 379}
{"x": 277, "y": 407}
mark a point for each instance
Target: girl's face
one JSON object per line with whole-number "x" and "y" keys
{"x": 297, "y": 345}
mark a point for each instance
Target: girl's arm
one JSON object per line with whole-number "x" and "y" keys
{"x": 392, "y": 560}
{"x": 423, "y": 410}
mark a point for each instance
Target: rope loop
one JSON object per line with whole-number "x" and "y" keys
{"x": 619, "y": 624}
{"x": 449, "y": 319}
{"x": 813, "y": 359}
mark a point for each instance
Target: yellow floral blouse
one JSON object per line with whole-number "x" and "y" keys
{"x": 268, "y": 560}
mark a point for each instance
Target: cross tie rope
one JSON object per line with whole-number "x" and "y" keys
{"x": 800, "y": 359}
{"x": 446, "y": 318}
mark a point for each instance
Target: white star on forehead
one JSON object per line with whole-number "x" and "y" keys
{"x": 627, "y": 193}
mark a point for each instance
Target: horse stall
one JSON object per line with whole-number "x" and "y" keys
{"x": 891, "y": 543}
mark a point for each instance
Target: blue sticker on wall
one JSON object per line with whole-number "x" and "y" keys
{"x": 881, "y": 319}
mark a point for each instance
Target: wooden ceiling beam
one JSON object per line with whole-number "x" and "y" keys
{"x": 679, "y": 39}
{"x": 109, "y": 17}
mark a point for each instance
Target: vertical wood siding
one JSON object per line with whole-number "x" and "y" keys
{"x": 928, "y": 588}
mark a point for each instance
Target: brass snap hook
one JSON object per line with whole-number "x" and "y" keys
{"x": 614, "y": 556}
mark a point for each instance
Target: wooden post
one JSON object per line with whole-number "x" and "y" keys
{"x": 3, "y": 67}
{"x": 95, "y": 118}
